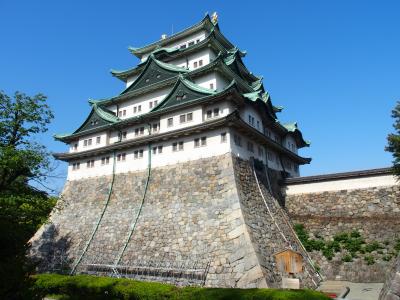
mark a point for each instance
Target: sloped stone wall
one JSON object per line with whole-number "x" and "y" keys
{"x": 374, "y": 212}
{"x": 208, "y": 211}
{"x": 391, "y": 288}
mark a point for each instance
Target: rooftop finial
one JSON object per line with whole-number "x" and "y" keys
{"x": 163, "y": 36}
{"x": 214, "y": 17}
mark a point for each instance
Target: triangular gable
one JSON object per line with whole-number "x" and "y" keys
{"x": 182, "y": 92}
{"x": 98, "y": 117}
{"x": 154, "y": 71}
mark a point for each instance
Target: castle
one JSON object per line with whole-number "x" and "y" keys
{"x": 178, "y": 178}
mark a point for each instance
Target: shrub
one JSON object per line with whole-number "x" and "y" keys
{"x": 347, "y": 258}
{"x": 369, "y": 259}
{"x": 91, "y": 287}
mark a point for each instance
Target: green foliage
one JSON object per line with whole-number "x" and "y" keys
{"x": 347, "y": 258}
{"x": 387, "y": 257}
{"x": 394, "y": 140}
{"x": 397, "y": 246}
{"x": 22, "y": 208}
{"x": 90, "y": 287}
{"x": 372, "y": 247}
{"x": 369, "y": 259}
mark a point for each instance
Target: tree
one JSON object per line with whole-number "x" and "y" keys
{"x": 23, "y": 208}
{"x": 394, "y": 140}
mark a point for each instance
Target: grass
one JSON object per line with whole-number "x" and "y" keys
{"x": 62, "y": 287}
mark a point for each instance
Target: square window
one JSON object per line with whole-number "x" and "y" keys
{"x": 250, "y": 146}
{"x": 119, "y": 113}
{"x": 123, "y": 156}
{"x": 200, "y": 62}
{"x": 141, "y": 153}
{"x": 103, "y": 160}
{"x": 183, "y": 46}
{"x": 182, "y": 118}
{"x": 160, "y": 149}
{"x": 155, "y": 127}
{"x": 98, "y": 139}
{"x": 195, "y": 64}
{"x": 180, "y": 146}
{"x": 155, "y": 102}
{"x": 78, "y": 165}
{"x": 238, "y": 140}
{"x": 209, "y": 114}
{"x": 223, "y": 137}
{"x": 196, "y": 142}
{"x": 119, "y": 157}
{"x": 189, "y": 117}
{"x": 135, "y": 154}
{"x": 191, "y": 43}
{"x": 204, "y": 141}
{"x": 211, "y": 86}
{"x": 170, "y": 122}
{"x": 85, "y": 143}
{"x": 136, "y": 131}
{"x": 216, "y": 112}
{"x": 174, "y": 146}
{"x": 124, "y": 134}
{"x": 89, "y": 142}
{"x": 88, "y": 164}
{"x": 134, "y": 109}
{"x": 150, "y": 104}
{"x": 198, "y": 40}
{"x": 141, "y": 130}
{"x": 139, "y": 108}
{"x": 154, "y": 150}
{"x": 124, "y": 112}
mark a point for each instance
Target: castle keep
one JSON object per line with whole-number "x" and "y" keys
{"x": 174, "y": 179}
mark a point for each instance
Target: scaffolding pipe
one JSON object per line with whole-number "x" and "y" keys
{"x": 98, "y": 221}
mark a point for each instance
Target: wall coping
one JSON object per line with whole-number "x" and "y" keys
{"x": 338, "y": 176}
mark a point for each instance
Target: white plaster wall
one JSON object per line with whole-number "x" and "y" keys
{"x": 142, "y": 100}
{"x": 195, "y": 36}
{"x": 342, "y": 184}
{"x": 290, "y": 139}
{"x": 242, "y": 152}
{"x": 131, "y": 80}
{"x": 207, "y": 55}
{"x": 249, "y": 110}
{"x": 81, "y": 147}
{"x": 214, "y": 147}
{"x": 197, "y": 119}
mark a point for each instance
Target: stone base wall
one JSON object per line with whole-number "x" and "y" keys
{"x": 374, "y": 212}
{"x": 391, "y": 288}
{"x": 207, "y": 211}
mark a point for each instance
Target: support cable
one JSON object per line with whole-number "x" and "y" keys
{"x": 274, "y": 220}
{"x": 133, "y": 225}
{"x": 98, "y": 221}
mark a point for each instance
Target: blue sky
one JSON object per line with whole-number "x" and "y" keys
{"x": 333, "y": 65}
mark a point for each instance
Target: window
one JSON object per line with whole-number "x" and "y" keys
{"x": 183, "y": 46}
{"x": 89, "y": 142}
{"x": 154, "y": 150}
{"x": 195, "y": 64}
{"x": 76, "y": 166}
{"x": 174, "y": 146}
{"x": 260, "y": 151}
{"x": 238, "y": 140}
{"x": 200, "y": 62}
{"x": 155, "y": 127}
{"x": 105, "y": 160}
{"x": 170, "y": 122}
{"x": 250, "y": 146}
{"x": 198, "y": 40}
{"x": 191, "y": 43}
{"x": 203, "y": 141}
{"x": 124, "y": 112}
{"x": 270, "y": 156}
{"x": 223, "y": 137}
{"x": 209, "y": 114}
{"x": 160, "y": 149}
{"x": 155, "y": 103}
{"x": 120, "y": 113}
{"x": 189, "y": 117}
{"x": 90, "y": 164}
{"x": 85, "y": 143}
{"x": 136, "y": 131}
{"x": 150, "y": 104}
{"x": 134, "y": 109}
{"x": 75, "y": 146}
{"x": 258, "y": 124}
{"x": 196, "y": 142}
{"x": 121, "y": 157}
{"x": 216, "y": 112}
{"x": 123, "y": 135}
{"x": 251, "y": 120}
{"x": 98, "y": 140}
{"x": 182, "y": 118}
{"x": 180, "y": 146}
{"x": 211, "y": 86}
{"x": 141, "y": 131}
{"x": 139, "y": 108}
